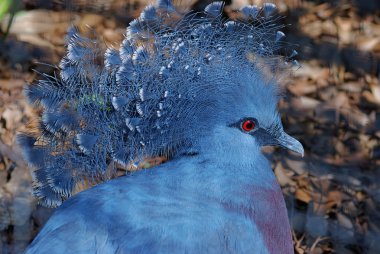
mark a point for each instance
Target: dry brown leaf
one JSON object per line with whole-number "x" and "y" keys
{"x": 340, "y": 100}
{"x": 11, "y": 84}
{"x": 298, "y": 166}
{"x": 369, "y": 98}
{"x": 12, "y": 116}
{"x": 312, "y": 71}
{"x": 318, "y": 198}
{"x": 324, "y": 11}
{"x": 299, "y": 250}
{"x": 355, "y": 117}
{"x": 303, "y": 195}
{"x": 35, "y": 40}
{"x": 303, "y": 103}
{"x": 334, "y": 198}
{"x": 329, "y": 28}
{"x": 238, "y": 4}
{"x": 113, "y": 36}
{"x": 40, "y": 21}
{"x": 375, "y": 89}
{"x": 352, "y": 87}
{"x": 91, "y": 20}
{"x": 282, "y": 176}
{"x": 360, "y": 196}
{"x": 302, "y": 87}
{"x": 344, "y": 221}
{"x": 369, "y": 44}
{"x": 344, "y": 26}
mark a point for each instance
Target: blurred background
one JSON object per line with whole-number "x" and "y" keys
{"x": 331, "y": 104}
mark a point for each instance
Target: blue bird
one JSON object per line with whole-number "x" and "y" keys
{"x": 197, "y": 88}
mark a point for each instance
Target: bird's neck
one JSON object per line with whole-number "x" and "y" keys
{"x": 237, "y": 158}
{"x": 241, "y": 186}
{"x": 248, "y": 186}
{"x": 243, "y": 182}
{"x": 237, "y": 170}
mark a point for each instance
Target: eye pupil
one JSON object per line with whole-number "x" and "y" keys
{"x": 248, "y": 125}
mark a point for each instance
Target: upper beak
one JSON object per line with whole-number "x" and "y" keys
{"x": 290, "y": 143}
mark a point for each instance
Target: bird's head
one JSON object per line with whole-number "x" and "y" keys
{"x": 241, "y": 115}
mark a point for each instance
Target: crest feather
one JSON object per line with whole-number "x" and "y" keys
{"x": 214, "y": 9}
{"x": 149, "y": 97}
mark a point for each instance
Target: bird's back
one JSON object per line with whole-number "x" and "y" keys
{"x": 179, "y": 207}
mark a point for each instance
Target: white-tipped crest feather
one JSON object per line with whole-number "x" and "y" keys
{"x": 157, "y": 94}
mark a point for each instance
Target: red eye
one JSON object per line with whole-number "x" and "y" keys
{"x": 248, "y": 125}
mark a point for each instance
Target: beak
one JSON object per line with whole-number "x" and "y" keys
{"x": 290, "y": 143}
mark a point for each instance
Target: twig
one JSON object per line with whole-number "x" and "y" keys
{"x": 318, "y": 240}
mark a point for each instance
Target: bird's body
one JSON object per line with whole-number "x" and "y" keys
{"x": 201, "y": 90}
{"x": 189, "y": 205}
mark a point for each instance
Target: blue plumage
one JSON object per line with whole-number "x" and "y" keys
{"x": 144, "y": 91}
{"x": 165, "y": 5}
{"x": 56, "y": 121}
{"x": 175, "y": 208}
{"x": 197, "y": 88}
{"x": 268, "y": 9}
{"x": 214, "y": 9}
{"x": 86, "y": 142}
{"x": 250, "y": 11}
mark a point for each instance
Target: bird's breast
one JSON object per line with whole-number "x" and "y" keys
{"x": 266, "y": 208}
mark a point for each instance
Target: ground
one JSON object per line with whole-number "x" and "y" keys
{"x": 331, "y": 104}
